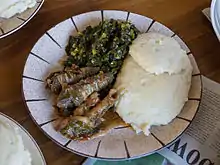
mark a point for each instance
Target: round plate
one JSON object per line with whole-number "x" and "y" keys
{"x": 29, "y": 142}
{"x": 120, "y": 143}
{"x": 15, "y": 23}
{"x": 215, "y": 17}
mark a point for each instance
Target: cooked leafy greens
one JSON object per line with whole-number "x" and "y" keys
{"x": 104, "y": 45}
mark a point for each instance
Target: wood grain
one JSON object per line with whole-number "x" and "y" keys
{"x": 183, "y": 17}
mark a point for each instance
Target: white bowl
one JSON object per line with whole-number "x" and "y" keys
{"x": 29, "y": 143}
{"x": 215, "y": 17}
{"x": 13, "y": 24}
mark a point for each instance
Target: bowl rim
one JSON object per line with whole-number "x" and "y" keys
{"x": 104, "y": 158}
{"x": 27, "y": 133}
{"x": 213, "y": 14}
{"x": 3, "y": 35}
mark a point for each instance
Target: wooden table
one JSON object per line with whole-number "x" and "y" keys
{"x": 183, "y": 17}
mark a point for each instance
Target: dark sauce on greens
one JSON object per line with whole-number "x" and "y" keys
{"x": 105, "y": 45}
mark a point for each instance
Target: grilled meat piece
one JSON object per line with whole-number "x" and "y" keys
{"x": 91, "y": 101}
{"x": 83, "y": 127}
{"x": 75, "y": 95}
{"x": 69, "y": 75}
{"x": 95, "y": 114}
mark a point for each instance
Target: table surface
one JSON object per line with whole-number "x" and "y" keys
{"x": 183, "y": 17}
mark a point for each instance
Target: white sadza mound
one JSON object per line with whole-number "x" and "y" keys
{"x": 154, "y": 88}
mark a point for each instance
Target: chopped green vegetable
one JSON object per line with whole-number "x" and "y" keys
{"x": 77, "y": 130}
{"x": 105, "y": 45}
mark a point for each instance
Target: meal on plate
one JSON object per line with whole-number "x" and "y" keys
{"x": 114, "y": 76}
{"x": 12, "y": 147}
{"x": 9, "y": 8}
